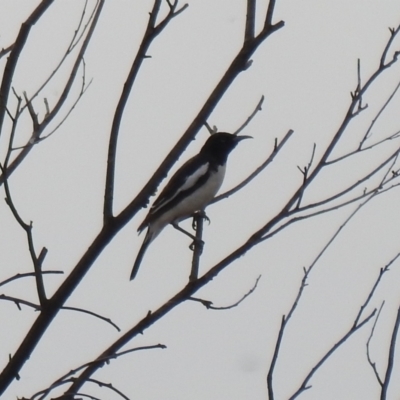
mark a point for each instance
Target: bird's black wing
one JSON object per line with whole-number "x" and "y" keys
{"x": 185, "y": 179}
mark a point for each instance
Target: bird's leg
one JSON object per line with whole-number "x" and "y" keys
{"x": 177, "y": 227}
{"x": 196, "y": 241}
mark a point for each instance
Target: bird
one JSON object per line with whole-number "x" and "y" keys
{"x": 190, "y": 189}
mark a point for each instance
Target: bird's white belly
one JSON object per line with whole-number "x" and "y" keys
{"x": 198, "y": 200}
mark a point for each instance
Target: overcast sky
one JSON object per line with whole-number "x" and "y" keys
{"x": 306, "y": 72}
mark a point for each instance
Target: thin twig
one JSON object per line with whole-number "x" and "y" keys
{"x": 82, "y": 310}
{"x": 151, "y": 32}
{"x": 305, "y": 171}
{"x": 305, "y": 384}
{"x": 71, "y": 46}
{"x": 370, "y": 362}
{"x": 37, "y": 263}
{"x": 252, "y": 115}
{"x": 284, "y": 322}
{"x": 15, "y": 53}
{"x": 393, "y": 34}
{"x": 68, "y": 377}
{"x": 19, "y": 301}
{"x": 377, "y": 116}
{"x": 83, "y": 90}
{"x": 5, "y": 50}
{"x": 209, "y": 304}
{"x": 277, "y": 148}
{"x": 382, "y": 272}
{"x": 27, "y": 274}
{"x": 50, "y": 115}
{"x": 109, "y": 386}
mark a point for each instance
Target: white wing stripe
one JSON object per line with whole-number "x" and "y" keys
{"x": 191, "y": 181}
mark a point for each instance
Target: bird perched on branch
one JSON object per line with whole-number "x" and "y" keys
{"x": 189, "y": 190}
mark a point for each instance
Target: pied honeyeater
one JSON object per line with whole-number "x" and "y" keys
{"x": 190, "y": 189}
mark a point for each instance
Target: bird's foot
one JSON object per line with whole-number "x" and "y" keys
{"x": 197, "y": 243}
{"x": 200, "y": 214}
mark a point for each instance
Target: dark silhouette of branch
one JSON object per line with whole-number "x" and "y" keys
{"x": 76, "y": 38}
{"x": 37, "y": 261}
{"x": 113, "y": 225}
{"x": 238, "y": 65}
{"x": 357, "y": 324}
{"x": 51, "y": 114}
{"x": 69, "y": 377}
{"x": 19, "y": 301}
{"x": 251, "y": 116}
{"x": 284, "y": 321}
{"x": 82, "y": 310}
{"x": 109, "y": 386}
{"x": 370, "y": 362}
{"x": 192, "y": 287}
{"x": 152, "y": 31}
{"x": 307, "y": 271}
{"x": 393, "y": 33}
{"x": 304, "y": 171}
{"x": 390, "y": 364}
{"x": 26, "y": 274}
{"x": 15, "y": 52}
{"x": 377, "y": 116}
{"x": 84, "y": 87}
{"x": 375, "y": 286}
{"x": 5, "y": 51}
{"x": 250, "y": 20}
{"x": 257, "y": 171}
{"x": 197, "y": 246}
{"x": 209, "y": 304}
{"x": 305, "y": 384}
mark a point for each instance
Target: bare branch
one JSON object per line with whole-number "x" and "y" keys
{"x": 68, "y": 377}
{"x": 250, "y": 20}
{"x": 15, "y": 53}
{"x": 25, "y": 275}
{"x": 151, "y": 32}
{"x": 19, "y": 301}
{"x": 83, "y": 90}
{"x": 392, "y": 350}
{"x": 305, "y": 172}
{"x": 252, "y": 115}
{"x": 50, "y": 115}
{"x": 284, "y": 322}
{"x": 305, "y": 384}
{"x": 32, "y": 113}
{"x": 209, "y": 304}
{"x": 379, "y": 113}
{"x": 393, "y": 34}
{"x": 270, "y": 13}
{"x": 257, "y": 171}
{"x": 76, "y": 38}
{"x": 82, "y": 310}
{"x": 109, "y": 386}
{"x": 5, "y": 51}
{"x": 370, "y": 362}
{"x": 197, "y": 244}
{"x": 37, "y": 262}
{"x": 374, "y": 287}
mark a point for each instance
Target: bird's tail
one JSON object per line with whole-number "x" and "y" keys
{"x": 147, "y": 240}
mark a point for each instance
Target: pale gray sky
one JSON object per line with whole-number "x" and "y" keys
{"x": 306, "y": 71}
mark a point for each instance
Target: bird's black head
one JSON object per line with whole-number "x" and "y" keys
{"x": 220, "y": 144}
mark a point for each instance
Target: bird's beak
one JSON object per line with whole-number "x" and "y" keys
{"x": 239, "y": 138}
